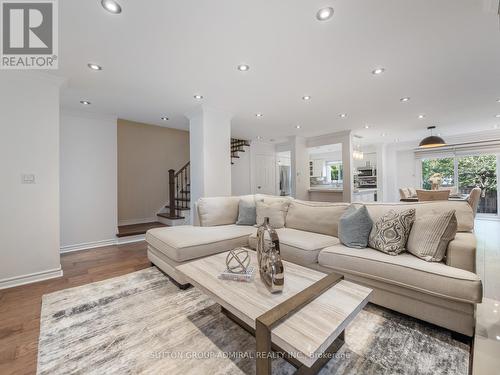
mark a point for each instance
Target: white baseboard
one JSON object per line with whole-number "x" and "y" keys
{"x": 88, "y": 245}
{"x": 137, "y": 221}
{"x": 129, "y": 239}
{"x": 31, "y": 278}
{"x": 111, "y": 242}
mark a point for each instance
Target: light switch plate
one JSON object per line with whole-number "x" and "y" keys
{"x": 27, "y": 179}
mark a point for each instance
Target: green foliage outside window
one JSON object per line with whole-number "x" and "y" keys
{"x": 472, "y": 171}
{"x": 444, "y": 166}
{"x": 336, "y": 172}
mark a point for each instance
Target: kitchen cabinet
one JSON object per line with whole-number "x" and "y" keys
{"x": 317, "y": 168}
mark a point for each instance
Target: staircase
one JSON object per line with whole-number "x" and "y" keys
{"x": 237, "y": 146}
{"x": 179, "y": 186}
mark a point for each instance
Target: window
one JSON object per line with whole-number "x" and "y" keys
{"x": 465, "y": 172}
{"x": 336, "y": 172}
{"x": 480, "y": 171}
{"x": 444, "y": 166}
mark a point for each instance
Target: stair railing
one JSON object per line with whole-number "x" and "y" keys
{"x": 178, "y": 189}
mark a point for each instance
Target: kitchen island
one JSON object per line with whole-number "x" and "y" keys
{"x": 327, "y": 193}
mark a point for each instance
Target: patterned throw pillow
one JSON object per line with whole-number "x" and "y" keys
{"x": 390, "y": 233}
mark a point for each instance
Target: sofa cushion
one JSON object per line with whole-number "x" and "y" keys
{"x": 299, "y": 247}
{"x": 390, "y": 232}
{"x": 218, "y": 210}
{"x": 274, "y": 209}
{"x": 317, "y": 217}
{"x": 247, "y": 213}
{"x": 431, "y": 234}
{"x": 404, "y": 270}
{"x": 463, "y": 211}
{"x": 187, "y": 242}
{"x": 355, "y": 226}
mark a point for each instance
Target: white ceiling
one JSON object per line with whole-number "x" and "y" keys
{"x": 157, "y": 54}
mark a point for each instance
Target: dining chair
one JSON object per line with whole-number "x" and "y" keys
{"x": 432, "y": 195}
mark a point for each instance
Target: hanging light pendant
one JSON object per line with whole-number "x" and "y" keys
{"x": 432, "y": 140}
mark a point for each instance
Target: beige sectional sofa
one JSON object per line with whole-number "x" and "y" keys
{"x": 443, "y": 293}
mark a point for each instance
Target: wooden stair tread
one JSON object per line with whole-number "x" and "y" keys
{"x": 166, "y": 215}
{"x": 183, "y": 199}
{"x": 137, "y": 229}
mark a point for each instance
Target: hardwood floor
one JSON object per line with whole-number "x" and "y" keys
{"x": 136, "y": 229}
{"x": 20, "y": 306}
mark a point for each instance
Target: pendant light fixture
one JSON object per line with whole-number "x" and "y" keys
{"x": 432, "y": 140}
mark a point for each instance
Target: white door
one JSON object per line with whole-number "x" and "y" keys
{"x": 265, "y": 174}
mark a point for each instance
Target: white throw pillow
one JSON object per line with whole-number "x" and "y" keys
{"x": 431, "y": 234}
{"x": 214, "y": 211}
{"x": 274, "y": 209}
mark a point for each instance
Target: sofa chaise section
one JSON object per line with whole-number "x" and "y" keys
{"x": 171, "y": 246}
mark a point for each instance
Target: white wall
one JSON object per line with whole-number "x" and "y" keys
{"x": 240, "y": 173}
{"x": 88, "y": 180}
{"x": 29, "y": 144}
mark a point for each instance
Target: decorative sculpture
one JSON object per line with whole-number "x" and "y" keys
{"x": 269, "y": 258}
{"x": 237, "y": 260}
{"x": 436, "y": 179}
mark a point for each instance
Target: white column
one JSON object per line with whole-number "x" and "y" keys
{"x": 348, "y": 166}
{"x": 210, "y": 153}
{"x": 300, "y": 168}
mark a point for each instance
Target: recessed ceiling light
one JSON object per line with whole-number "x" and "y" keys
{"x": 324, "y": 14}
{"x": 405, "y": 99}
{"x": 421, "y": 117}
{"x": 306, "y": 97}
{"x": 498, "y": 100}
{"x": 497, "y": 116}
{"x": 243, "y": 67}
{"x": 383, "y": 134}
{"x": 94, "y": 66}
{"x": 297, "y": 126}
{"x": 378, "y": 71}
{"x": 367, "y": 126}
{"x": 343, "y": 115}
{"x": 198, "y": 97}
{"x": 111, "y": 6}
{"x": 259, "y": 115}
{"x": 498, "y": 338}
{"x": 164, "y": 118}
{"x": 85, "y": 102}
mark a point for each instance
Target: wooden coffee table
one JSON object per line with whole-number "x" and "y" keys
{"x": 306, "y": 321}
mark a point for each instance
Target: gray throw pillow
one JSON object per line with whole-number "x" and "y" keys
{"x": 431, "y": 234}
{"x": 390, "y": 233}
{"x": 355, "y": 226}
{"x": 247, "y": 212}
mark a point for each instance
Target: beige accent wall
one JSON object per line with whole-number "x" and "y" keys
{"x": 145, "y": 154}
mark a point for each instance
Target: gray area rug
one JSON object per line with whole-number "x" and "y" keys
{"x": 141, "y": 323}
